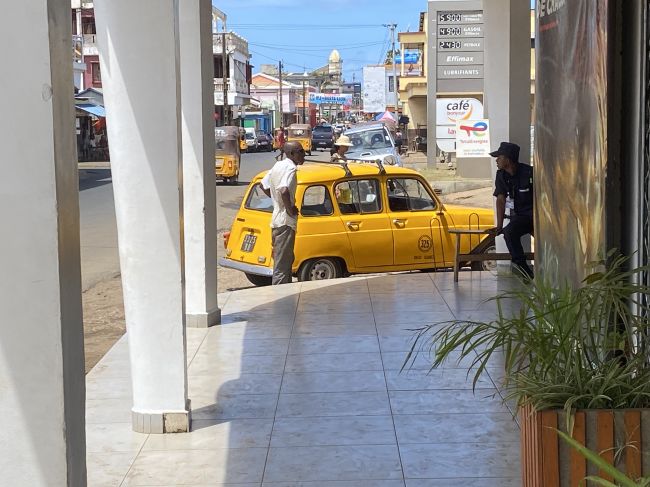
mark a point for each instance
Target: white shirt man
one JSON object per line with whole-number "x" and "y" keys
{"x": 280, "y": 184}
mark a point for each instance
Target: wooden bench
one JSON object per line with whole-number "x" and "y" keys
{"x": 458, "y": 257}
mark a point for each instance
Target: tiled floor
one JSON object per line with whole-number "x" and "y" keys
{"x": 301, "y": 387}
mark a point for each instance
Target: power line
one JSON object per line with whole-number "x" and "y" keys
{"x": 309, "y": 49}
{"x": 305, "y": 27}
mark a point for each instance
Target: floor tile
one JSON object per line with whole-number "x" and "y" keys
{"x": 333, "y": 345}
{"x": 197, "y": 466}
{"x": 333, "y": 382}
{"x": 452, "y": 460}
{"x": 113, "y": 437}
{"x": 217, "y": 346}
{"x": 325, "y": 331}
{"x": 333, "y": 362}
{"x": 339, "y": 483}
{"x": 212, "y": 435}
{"x": 208, "y": 363}
{"x": 334, "y": 306}
{"x": 232, "y": 384}
{"x": 108, "y": 410}
{"x": 332, "y": 431}
{"x": 415, "y": 380}
{"x": 335, "y": 288}
{"x": 457, "y": 482}
{"x": 336, "y": 317}
{"x": 252, "y": 331}
{"x": 402, "y": 343}
{"x": 234, "y": 407}
{"x": 457, "y": 401}
{"x": 308, "y": 300}
{"x": 419, "y": 318}
{"x": 108, "y": 469}
{"x": 456, "y": 428}
{"x": 333, "y": 463}
{"x": 109, "y": 388}
{"x": 333, "y": 404}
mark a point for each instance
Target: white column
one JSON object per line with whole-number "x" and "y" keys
{"x": 42, "y": 389}
{"x": 138, "y": 47}
{"x": 507, "y": 104}
{"x": 199, "y": 188}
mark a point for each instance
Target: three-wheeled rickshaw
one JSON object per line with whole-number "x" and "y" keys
{"x": 227, "y": 156}
{"x": 301, "y": 132}
{"x": 242, "y": 140}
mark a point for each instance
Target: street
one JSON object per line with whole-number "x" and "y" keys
{"x": 99, "y": 254}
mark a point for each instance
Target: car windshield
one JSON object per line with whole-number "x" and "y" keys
{"x": 249, "y": 135}
{"x": 368, "y": 140}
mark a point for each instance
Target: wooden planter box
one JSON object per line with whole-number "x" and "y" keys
{"x": 622, "y": 437}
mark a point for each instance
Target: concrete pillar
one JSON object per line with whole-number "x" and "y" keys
{"x": 138, "y": 48}
{"x": 199, "y": 188}
{"x": 42, "y": 388}
{"x": 507, "y": 82}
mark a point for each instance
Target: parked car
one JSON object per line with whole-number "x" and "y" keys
{"x": 372, "y": 141}
{"x": 322, "y": 137}
{"x": 264, "y": 141}
{"x": 354, "y": 219}
{"x": 251, "y": 142}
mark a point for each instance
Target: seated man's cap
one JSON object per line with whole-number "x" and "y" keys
{"x": 508, "y": 149}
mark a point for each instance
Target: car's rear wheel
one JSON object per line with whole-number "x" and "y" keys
{"x": 486, "y": 265}
{"x": 320, "y": 269}
{"x": 258, "y": 280}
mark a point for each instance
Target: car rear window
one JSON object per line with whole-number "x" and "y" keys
{"x": 323, "y": 128}
{"x": 257, "y": 200}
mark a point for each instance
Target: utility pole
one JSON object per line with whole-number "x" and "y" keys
{"x": 224, "y": 67}
{"x": 392, "y": 28}
{"x": 280, "y": 92}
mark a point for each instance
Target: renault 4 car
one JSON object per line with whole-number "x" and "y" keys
{"x": 355, "y": 218}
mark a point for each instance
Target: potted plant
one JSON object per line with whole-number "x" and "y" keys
{"x": 575, "y": 357}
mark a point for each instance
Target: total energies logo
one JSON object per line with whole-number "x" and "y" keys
{"x": 479, "y": 129}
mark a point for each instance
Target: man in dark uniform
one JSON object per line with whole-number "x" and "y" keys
{"x": 514, "y": 179}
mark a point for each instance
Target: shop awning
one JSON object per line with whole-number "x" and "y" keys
{"x": 95, "y": 110}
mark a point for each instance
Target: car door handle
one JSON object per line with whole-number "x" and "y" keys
{"x": 354, "y": 226}
{"x": 399, "y": 223}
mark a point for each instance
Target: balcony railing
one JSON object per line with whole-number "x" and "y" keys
{"x": 233, "y": 43}
{"x": 234, "y": 86}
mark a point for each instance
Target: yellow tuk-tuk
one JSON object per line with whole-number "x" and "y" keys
{"x": 301, "y": 132}
{"x": 277, "y": 143}
{"x": 227, "y": 154}
{"x": 242, "y": 139}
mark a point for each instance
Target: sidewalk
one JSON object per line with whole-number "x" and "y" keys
{"x": 301, "y": 386}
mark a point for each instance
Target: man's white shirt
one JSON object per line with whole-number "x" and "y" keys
{"x": 281, "y": 175}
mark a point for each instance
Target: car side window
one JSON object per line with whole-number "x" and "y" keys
{"x": 409, "y": 194}
{"x": 316, "y": 202}
{"x": 358, "y": 196}
{"x": 257, "y": 200}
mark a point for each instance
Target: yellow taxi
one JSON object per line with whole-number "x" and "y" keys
{"x": 355, "y": 218}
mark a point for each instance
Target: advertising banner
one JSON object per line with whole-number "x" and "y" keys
{"x": 571, "y": 136}
{"x": 451, "y": 110}
{"x": 330, "y": 99}
{"x": 473, "y": 138}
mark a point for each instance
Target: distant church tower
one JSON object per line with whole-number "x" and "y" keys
{"x": 335, "y": 67}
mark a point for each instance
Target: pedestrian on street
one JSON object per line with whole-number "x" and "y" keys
{"x": 280, "y": 185}
{"x": 515, "y": 180}
{"x": 339, "y": 149}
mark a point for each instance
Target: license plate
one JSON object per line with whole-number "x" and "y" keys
{"x": 249, "y": 243}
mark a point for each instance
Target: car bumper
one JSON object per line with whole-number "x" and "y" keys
{"x": 246, "y": 268}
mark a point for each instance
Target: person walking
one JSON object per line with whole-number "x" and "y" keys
{"x": 280, "y": 185}
{"x": 515, "y": 180}
{"x": 339, "y": 149}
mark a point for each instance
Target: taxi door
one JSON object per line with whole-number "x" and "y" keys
{"x": 366, "y": 222}
{"x": 412, "y": 212}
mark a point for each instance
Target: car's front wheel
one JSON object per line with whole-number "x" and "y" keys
{"x": 258, "y": 280}
{"x": 320, "y": 269}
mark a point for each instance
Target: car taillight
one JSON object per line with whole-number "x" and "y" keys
{"x": 229, "y": 164}
{"x": 226, "y": 238}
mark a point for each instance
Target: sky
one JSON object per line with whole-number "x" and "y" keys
{"x": 302, "y": 33}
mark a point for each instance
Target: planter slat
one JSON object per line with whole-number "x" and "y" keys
{"x": 622, "y": 435}
{"x": 633, "y": 443}
{"x": 550, "y": 457}
{"x": 578, "y": 462}
{"x": 605, "y": 421}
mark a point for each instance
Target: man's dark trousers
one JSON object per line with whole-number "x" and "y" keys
{"x": 519, "y": 226}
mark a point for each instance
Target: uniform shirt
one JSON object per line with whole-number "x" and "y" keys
{"x": 519, "y": 187}
{"x": 281, "y": 175}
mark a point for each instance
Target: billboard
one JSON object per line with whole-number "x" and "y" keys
{"x": 571, "y": 135}
{"x": 374, "y": 89}
{"x": 473, "y": 138}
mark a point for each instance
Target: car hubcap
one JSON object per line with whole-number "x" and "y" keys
{"x": 321, "y": 270}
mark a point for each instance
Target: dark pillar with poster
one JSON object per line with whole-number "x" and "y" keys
{"x": 571, "y": 132}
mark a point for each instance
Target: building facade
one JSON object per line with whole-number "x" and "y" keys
{"x": 238, "y": 76}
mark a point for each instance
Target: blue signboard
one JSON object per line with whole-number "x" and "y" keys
{"x": 330, "y": 99}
